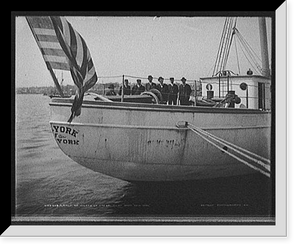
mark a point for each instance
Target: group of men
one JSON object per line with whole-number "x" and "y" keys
{"x": 170, "y": 93}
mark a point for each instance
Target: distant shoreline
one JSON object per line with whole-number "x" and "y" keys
{"x": 68, "y": 89}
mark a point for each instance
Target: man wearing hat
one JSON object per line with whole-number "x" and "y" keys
{"x": 163, "y": 89}
{"x": 111, "y": 90}
{"x": 127, "y": 89}
{"x": 150, "y": 84}
{"x": 184, "y": 92}
{"x": 173, "y": 92}
{"x": 138, "y": 88}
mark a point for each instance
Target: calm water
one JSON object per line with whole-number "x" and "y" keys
{"x": 48, "y": 183}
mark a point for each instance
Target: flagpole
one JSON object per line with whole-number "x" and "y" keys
{"x": 55, "y": 81}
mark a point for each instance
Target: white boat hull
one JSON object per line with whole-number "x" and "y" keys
{"x": 142, "y": 143}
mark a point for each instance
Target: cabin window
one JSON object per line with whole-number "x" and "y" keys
{"x": 261, "y": 96}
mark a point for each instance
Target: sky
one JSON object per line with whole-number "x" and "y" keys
{"x": 138, "y": 46}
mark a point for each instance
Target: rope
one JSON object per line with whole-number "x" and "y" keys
{"x": 109, "y": 76}
{"x": 155, "y": 78}
{"x": 255, "y": 68}
{"x": 225, "y": 44}
{"x": 217, "y": 62}
{"x": 144, "y": 78}
{"x": 248, "y": 45}
{"x": 241, "y": 151}
{"x": 249, "y": 50}
{"x": 139, "y": 77}
{"x": 236, "y": 148}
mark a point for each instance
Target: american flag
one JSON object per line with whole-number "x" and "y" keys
{"x": 64, "y": 48}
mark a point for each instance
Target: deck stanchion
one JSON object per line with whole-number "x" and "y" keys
{"x": 195, "y": 92}
{"x": 122, "y": 94}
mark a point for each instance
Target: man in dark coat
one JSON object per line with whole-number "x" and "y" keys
{"x": 138, "y": 88}
{"x": 184, "y": 92}
{"x": 173, "y": 92}
{"x": 150, "y": 84}
{"x": 163, "y": 89}
{"x": 127, "y": 89}
{"x": 111, "y": 90}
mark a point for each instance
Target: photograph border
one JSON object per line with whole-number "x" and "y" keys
{"x": 189, "y": 226}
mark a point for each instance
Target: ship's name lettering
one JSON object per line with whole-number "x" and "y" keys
{"x": 68, "y": 141}
{"x": 66, "y": 130}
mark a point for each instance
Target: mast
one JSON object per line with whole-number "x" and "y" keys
{"x": 264, "y": 46}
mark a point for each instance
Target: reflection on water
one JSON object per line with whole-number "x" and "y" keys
{"x": 247, "y": 195}
{"x": 48, "y": 183}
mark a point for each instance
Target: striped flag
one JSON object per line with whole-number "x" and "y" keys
{"x": 63, "y": 48}
{"x": 45, "y": 36}
{"x": 77, "y": 52}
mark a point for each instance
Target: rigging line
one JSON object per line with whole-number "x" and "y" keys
{"x": 137, "y": 77}
{"x": 253, "y": 66}
{"x": 210, "y": 70}
{"x": 251, "y": 52}
{"x": 223, "y": 45}
{"x": 259, "y": 59}
{"x": 156, "y": 78}
{"x": 238, "y": 150}
{"x": 145, "y": 78}
{"x": 232, "y": 155}
{"x": 235, "y": 147}
{"x": 242, "y": 41}
{"x": 226, "y": 43}
{"x": 215, "y": 70}
{"x": 230, "y": 35}
{"x": 229, "y": 46}
{"x": 109, "y": 76}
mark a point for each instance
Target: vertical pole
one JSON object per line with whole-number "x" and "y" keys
{"x": 55, "y": 81}
{"x": 195, "y": 92}
{"x": 201, "y": 91}
{"x": 227, "y": 82}
{"x": 219, "y": 86}
{"x": 264, "y": 46}
{"x": 122, "y": 93}
{"x": 247, "y": 104}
